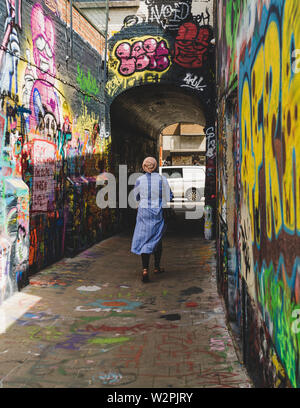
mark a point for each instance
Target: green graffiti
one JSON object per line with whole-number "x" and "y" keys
{"x": 44, "y": 333}
{"x": 277, "y": 307}
{"x": 233, "y": 15}
{"x": 109, "y": 340}
{"x": 88, "y": 84}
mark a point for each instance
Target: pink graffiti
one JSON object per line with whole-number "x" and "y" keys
{"x": 141, "y": 55}
{"x": 43, "y": 97}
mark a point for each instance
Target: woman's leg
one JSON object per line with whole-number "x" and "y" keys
{"x": 145, "y": 260}
{"x": 157, "y": 255}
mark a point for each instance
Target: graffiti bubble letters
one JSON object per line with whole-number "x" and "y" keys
{"x": 168, "y": 15}
{"x": 191, "y": 45}
{"x": 194, "y": 82}
{"x": 152, "y": 54}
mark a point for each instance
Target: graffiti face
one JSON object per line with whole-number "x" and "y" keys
{"x": 43, "y": 38}
{"x": 151, "y": 54}
{"x": 191, "y": 45}
{"x": 50, "y": 126}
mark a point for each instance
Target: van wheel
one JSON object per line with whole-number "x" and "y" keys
{"x": 193, "y": 194}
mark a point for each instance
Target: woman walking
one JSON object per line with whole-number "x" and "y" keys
{"x": 153, "y": 192}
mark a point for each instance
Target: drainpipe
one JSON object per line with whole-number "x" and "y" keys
{"x": 106, "y": 37}
{"x": 71, "y": 28}
{"x": 105, "y": 62}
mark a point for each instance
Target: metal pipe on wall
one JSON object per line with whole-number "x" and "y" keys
{"x": 106, "y": 38}
{"x": 71, "y": 28}
{"x": 105, "y": 59}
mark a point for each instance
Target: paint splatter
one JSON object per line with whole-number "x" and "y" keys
{"x": 191, "y": 291}
{"x": 109, "y": 340}
{"x": 119, "y": 304}
{"x": 171, "y": 317}
{"x": 89, "y": 288}
{"x": 191, "y": 304}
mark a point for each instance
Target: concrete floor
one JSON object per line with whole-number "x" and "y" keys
{"x": 93, "y": 323}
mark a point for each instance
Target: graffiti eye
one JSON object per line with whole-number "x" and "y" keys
{"x": 40, "y": 43}
{"x": 48, "y": 51}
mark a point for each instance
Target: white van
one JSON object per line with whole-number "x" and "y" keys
{"x": 186, "y": 182}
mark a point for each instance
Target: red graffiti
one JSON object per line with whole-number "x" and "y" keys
{"x": 114, "y": 304}
{"x": 191, "y": 45}
{"x": 191, "y": 304}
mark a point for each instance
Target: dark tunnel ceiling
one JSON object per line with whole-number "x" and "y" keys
{"x": 149, "y": 109}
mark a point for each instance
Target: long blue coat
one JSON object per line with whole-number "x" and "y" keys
{"x": 153, "y": 192}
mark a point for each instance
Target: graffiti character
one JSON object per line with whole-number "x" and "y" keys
{"x": 10, "y": 49}
{"x": 191, "y": 45}
{"x": 43, "y": 100}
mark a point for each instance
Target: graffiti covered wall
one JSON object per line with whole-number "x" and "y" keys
{"x": 164, "y": 41}
{"x": 53, "y": 141}
{"x": 261, "y": 41}
{"x": 168, "y": 42}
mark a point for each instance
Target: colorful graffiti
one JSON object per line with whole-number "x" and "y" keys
{"x": 268, "y": 193}
{"x": 151, "y": 54}
{"x": 159, "y": 43}
{"x": 52, "y": 146}
{"x": 229, "y": 16}
{"x": 10, "y": 49}
{"x": 14, "y": 207}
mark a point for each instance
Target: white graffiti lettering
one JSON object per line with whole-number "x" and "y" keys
{"x": 194, "y": 82}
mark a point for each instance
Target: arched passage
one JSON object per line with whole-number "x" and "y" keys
{"x": 139, "y": 114}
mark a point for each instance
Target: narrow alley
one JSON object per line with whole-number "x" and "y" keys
{"x": 114, "y": 116}
{"x": 97, "y": 325}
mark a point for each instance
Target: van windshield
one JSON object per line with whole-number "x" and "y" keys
{"x": 175, "y": 172}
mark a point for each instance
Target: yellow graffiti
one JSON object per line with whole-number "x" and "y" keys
{"x": 262, "y": 101}
{"x": 248, "y": 164}
{"x": 291, "y": 117}
{"x": 280, "y": 373}
{"x": 271, "y": 105}
{"x": 257, "y": 90}
{"x": 123, "y": 83}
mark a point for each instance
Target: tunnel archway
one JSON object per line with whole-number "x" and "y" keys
{"x": 139, "y": 114}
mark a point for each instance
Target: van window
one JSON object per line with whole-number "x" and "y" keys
{"x": 175, "y": 172}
